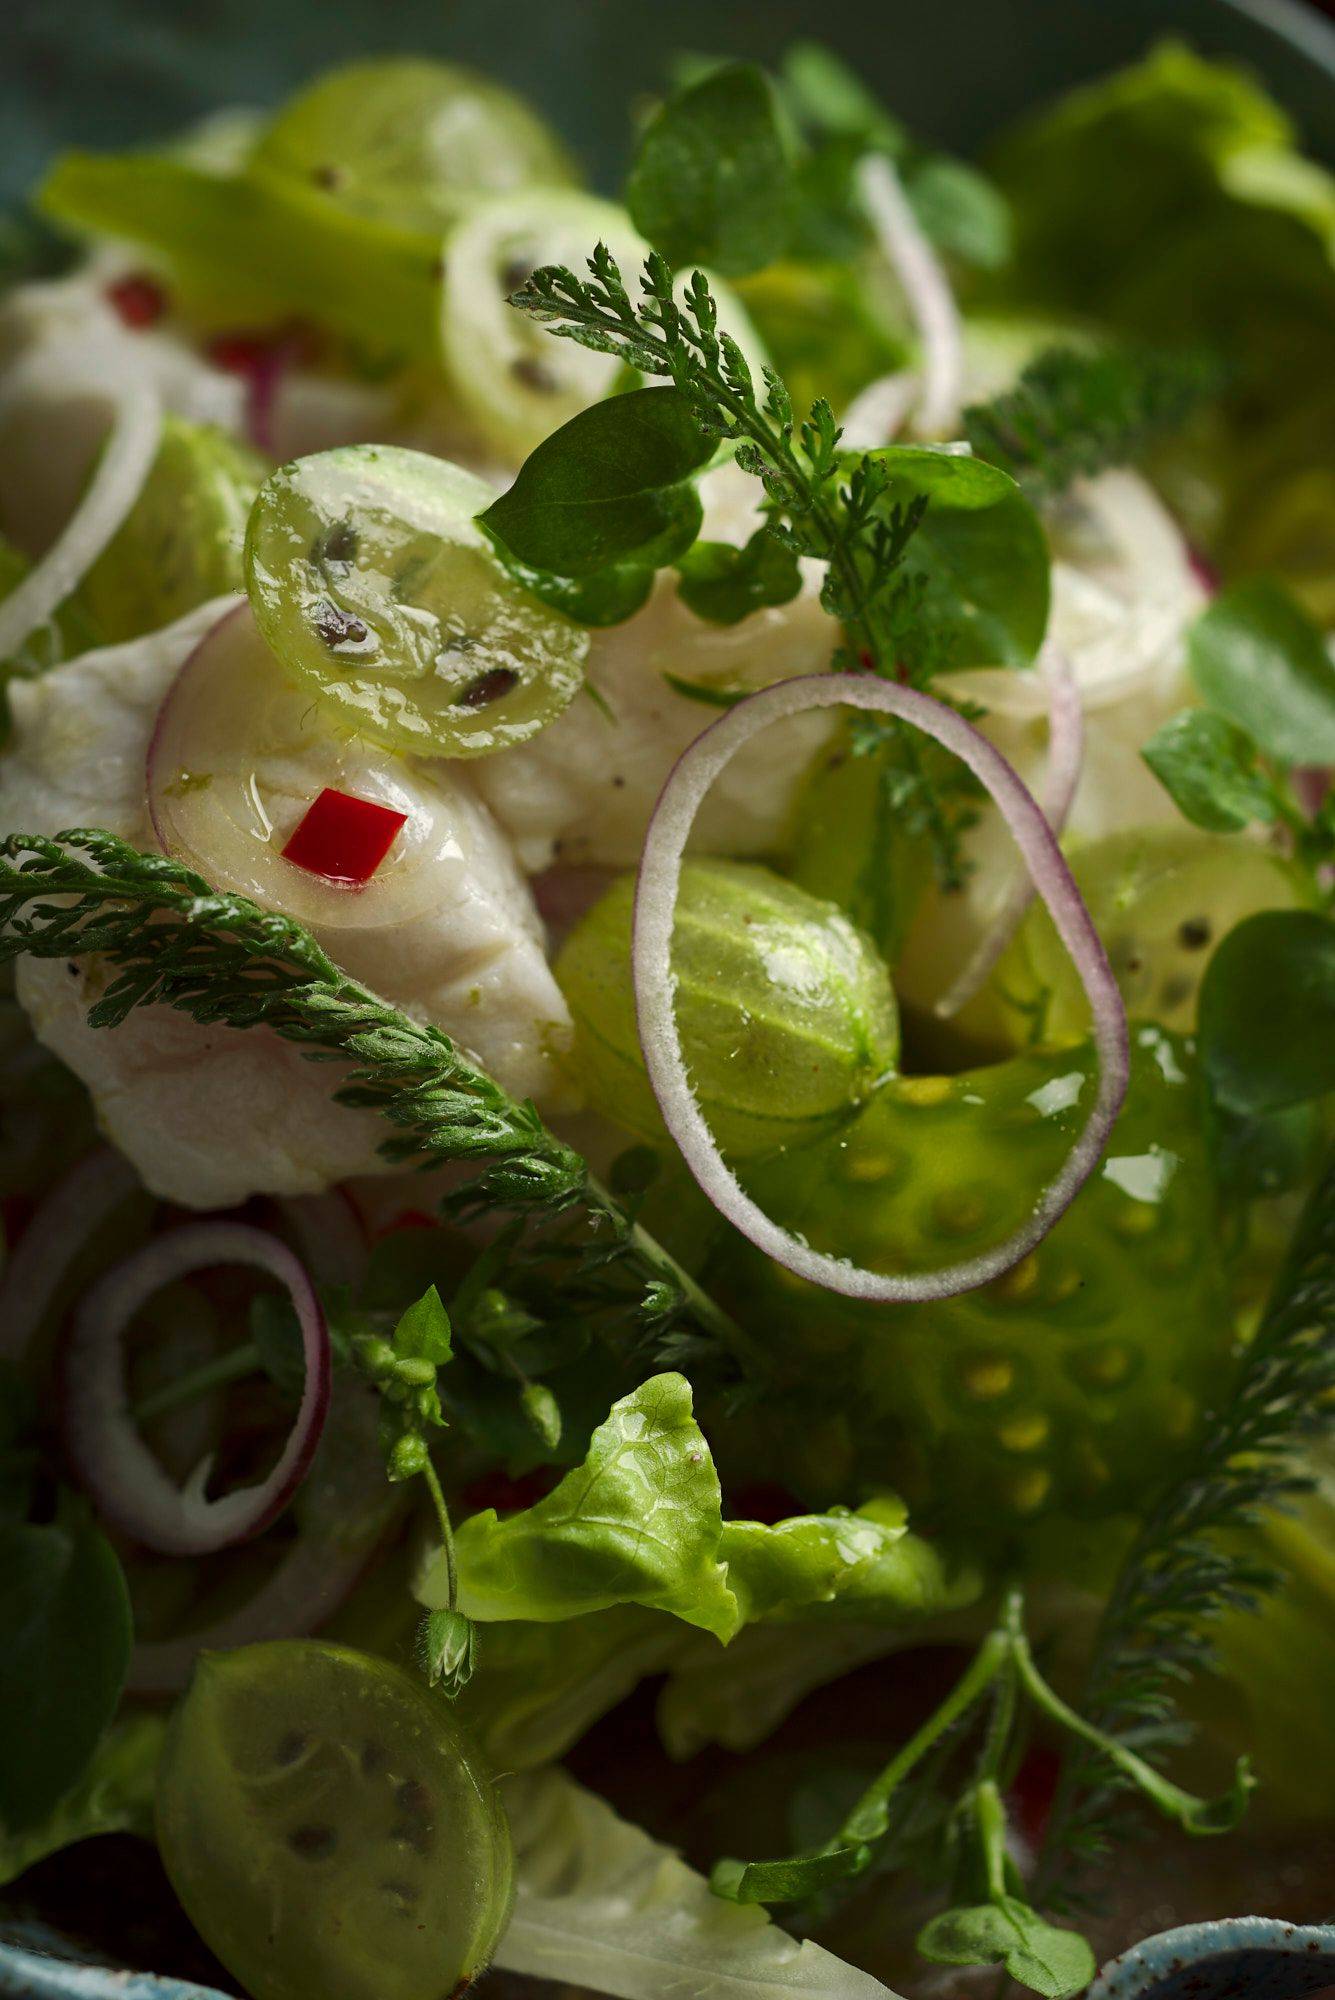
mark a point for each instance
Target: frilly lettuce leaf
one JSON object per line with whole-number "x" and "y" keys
{"x": 1169, "y": 202}
{"x": 114, "y": 1795}
{"x": 640, "y": 1523}
{"x": 601, "y": 1904}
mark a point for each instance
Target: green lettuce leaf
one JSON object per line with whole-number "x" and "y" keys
{"x": 639, "y": 1522}
{"x": 600, "y": 1904}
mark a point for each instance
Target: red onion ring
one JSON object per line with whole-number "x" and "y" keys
{"x": 119, "y": 1470}
{"x": 305, "y": 1587}
{"x": 1066, "y": 752}
{"x": 68, "y": 1215}
{"x": 655, "y": 903}
{"x": 926, "y": 288}
{"x": 113, "y": 489}
{"x": 329, "y": 1233}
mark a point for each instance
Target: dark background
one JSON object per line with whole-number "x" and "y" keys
{"x": 110, "y": 72}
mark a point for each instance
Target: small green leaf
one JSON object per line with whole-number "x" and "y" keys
{"x": 448, "y": 1647}
{"x": 1208, "y": 768}
{"x": 1259, "y": 659}
{"x": 1267, "y": 1012}
{"x": 65, "y": 1616}
{"x": 827, "y": 96}
{"x": 712, "y": 178}
{"x": 609, "y": 487}
{"x": 609, "y": 597}
{"x": 980, "y": 556}
{"x": 791, "y": 1880}
{"x": 726, "y": 584}
{"x": 960, "y": 211}
{"x": 423, "y": 1333}
{"x": 1007, "y": 1932}
{"x": 543, "y": 1412}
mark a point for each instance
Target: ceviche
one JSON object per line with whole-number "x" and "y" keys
{"x": 666, "y": 873}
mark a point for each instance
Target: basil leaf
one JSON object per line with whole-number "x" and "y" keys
{"x": 1258, "y": 658}
{"x": 65, "y": 1616}
{"x": 1208, "y": 769}
{"x": 712, "y": 179}
{"x": 1266, "y": 1021}
{"x": 609, "y": 486}
{"x": 1007, "y": 1932}
{"x": 980, "y": 556}
{"x": 726, "y": 584}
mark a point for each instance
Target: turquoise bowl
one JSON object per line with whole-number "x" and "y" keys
{"x": 110, "y": 72}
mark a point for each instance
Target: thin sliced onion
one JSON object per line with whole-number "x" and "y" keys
{"x": 878, "y": 413}
{"x": 926, "y": 288}
{"x": 304, "y": 1588}
{"x": 112, "y": 491}
{"x": 62, "y": 1224}
{"x": 124, "y": 1478}
{"x": 655, "y": 905}
{"x": 329, "y": 1233}
{"x": 1066, "y": 751}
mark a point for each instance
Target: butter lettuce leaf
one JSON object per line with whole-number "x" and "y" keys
{"x": 601, "y": 1904}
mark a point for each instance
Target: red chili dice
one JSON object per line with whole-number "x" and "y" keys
{"x": 343, "y": 838}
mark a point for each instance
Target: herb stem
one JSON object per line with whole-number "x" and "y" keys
{"x": 434, "y": 1488}
{"x": 868, "y": 1819}
{"x": 232, "y": 1366}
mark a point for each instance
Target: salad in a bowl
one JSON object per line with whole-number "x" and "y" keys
{"x": 666, "y": 871}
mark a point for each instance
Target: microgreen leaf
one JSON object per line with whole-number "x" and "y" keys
{"x": 726, "y": 584}
{"x": 830, "y": 99}
{"x": 1007, "y": 1932}
{"x": 1259, "y": 659}
{"x": 978, "y": 563}
{"x": 961, "y": 211}
{"x": 423, "y": 1331}
{"x": 1209, "y": 770}
{"x": 712, "y": 178}
{"x": 1267, "y": 1011}
{"x": 65, "y": 1615}
{"x": 610, "y": 486}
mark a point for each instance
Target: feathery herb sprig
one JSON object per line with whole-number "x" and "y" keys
{"x": 1187, "y": 1564}
{"x": 168, "y": 939}
{"x": 819, "y": 501}
{"x": 1074, "y": 413}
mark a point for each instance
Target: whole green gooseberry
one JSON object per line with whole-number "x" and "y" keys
{"x": 787, "y": 1016}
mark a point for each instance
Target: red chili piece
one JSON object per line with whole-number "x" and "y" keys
{"x": 345, "y": 839}
{"x": 137, "y": 301}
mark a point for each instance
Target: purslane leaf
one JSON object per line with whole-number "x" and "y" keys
{"x": 65, "y": 1615}
{"x": 1208, "y": 768}
{"x": 1260, "y": 660}
{"x": 726, "y": 584}
{"x": 1267, "y": 1012}
{"x": 610, "y": 486}
{"x": 712, "y": 178}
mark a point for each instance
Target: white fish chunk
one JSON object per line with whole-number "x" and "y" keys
{"x": 581, "y": 792}
{"x": 246, "y": 1114}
